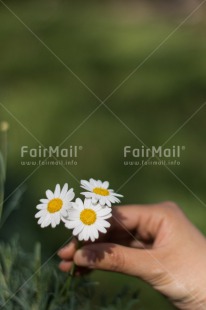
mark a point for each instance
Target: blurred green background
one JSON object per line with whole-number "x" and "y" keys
{"x": 102, "y": 43}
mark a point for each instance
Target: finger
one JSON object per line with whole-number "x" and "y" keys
{"x": 65, "y": 266}
{"x": 145, "y": 219}
{"x": 119, "y": 237}
{"x": 68, "y": 251}
{"x": 112, "y": 257}
{"x": 140, "y": 244}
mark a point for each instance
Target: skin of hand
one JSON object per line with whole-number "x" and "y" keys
{"x": 156, "y": 243}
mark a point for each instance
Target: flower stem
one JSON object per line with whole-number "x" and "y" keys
{"x": 69, "y": 284}
{"x": 72, "y": 272}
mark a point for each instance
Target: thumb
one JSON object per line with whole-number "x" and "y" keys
{"x": 113, "y": 257}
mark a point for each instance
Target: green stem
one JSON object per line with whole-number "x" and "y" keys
{"x": 72, "y": 272}
{"x": 69, "y": 284}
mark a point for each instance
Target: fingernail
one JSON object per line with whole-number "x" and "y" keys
{"x": 85, "y": 258}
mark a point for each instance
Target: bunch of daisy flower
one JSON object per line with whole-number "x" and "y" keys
{"x": 85, "y": 217}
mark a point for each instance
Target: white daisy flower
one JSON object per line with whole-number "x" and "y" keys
{"x": 55, "y": 207}
{"x": 87, "y": 219}
{"x": 99, "y": 193}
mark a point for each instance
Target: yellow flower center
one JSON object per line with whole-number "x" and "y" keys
{"x": 88, "y": 216}
{"x": 101, "y": 191}
{"x": 55, "y": 205}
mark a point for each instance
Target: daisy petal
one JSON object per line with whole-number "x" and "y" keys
{"x": 41, "y": 213}
{"x": 72, "y": 224}
{"x": 102, "y": 201}
{"x": 70, "y": 195}
{"x": 78, "y": 229}
{"x": 99, "y": 183}
{"x": 105, "y": 223}
{"x": 64, "y": 191}
{"x": 105, "y": 184}
{"x": 46, "y": 222}
{"x": 45, "y": 201}
{"x": 86, "y": 194}
{"x": 105, "y": 217}
{"x": 58, "y": 219}
{"x": 40, "y": 221}
{"x": 41, "y": 206}
{"x": 104, "y": 211}
{"x": 57, "y": 191}
{"x": 118, "y": 195}
{"x": 95, "y": 232}
{"x": 53, "y": 222}
{"x": 49, "y": 194}
{"x": 101, "y": 228}
{"x": 108, "y": 203}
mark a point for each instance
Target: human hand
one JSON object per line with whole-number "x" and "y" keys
{"x": 154, "y": 242}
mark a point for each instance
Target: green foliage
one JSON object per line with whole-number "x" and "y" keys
{"x": 121, "y": 301}
{"x": 26, "y": 283}
{"x": 12, "y": 205}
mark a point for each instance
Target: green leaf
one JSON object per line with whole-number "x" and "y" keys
{"x": 12, "y": 205}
